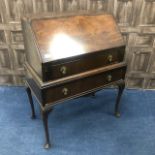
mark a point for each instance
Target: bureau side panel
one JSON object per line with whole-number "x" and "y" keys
{"x": 32, "y": 55}
{"x": 35, "y": 89}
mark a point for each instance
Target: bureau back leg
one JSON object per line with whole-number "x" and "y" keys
{"x": 121, "y": 86}
{"x": 93, "y": 94}
{"x": 31, "y": 102}
{"x": 45, "y": 114}
{"x": 90, "y": 95}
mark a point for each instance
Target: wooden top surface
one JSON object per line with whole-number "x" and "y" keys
{"x": 70, "y": 36}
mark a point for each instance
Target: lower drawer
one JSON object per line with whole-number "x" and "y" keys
{"x": 77, "y": 87}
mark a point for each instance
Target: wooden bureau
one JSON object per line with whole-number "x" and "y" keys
{"x": 69, "y": 56}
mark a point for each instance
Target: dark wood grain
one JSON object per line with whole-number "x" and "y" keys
{"x": 93, "y": 33}
{"x": 82, "y": 64}
{"x": 80, "y": 86}
{"x": 77, "y": 86}
{"x": 98, "y": 34}
{"x": 59, "y": 81}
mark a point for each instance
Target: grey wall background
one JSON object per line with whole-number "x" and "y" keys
{"x": 136, "y": 19}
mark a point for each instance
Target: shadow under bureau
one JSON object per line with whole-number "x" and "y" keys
{"x": 69, "y": 56}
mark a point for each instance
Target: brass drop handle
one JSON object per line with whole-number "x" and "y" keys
{"x": 65, "y": 91}
{"x": 109, "y": 78}
{"x": 110, "y": 58}
{"x": 63, "y": 70}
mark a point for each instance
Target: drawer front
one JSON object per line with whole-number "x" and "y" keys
{"x": 71, "y": 89}
{"x": 84, "y": 63}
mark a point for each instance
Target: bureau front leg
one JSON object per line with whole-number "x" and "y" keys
{"x": 45, "y": 114}
{"x": 121, "y": 86}
{"x": 28, "y": 90}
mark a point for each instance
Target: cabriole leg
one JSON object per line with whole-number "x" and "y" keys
{"x": 45, "y": 115}
{"x": 31, "y": 102}
{"x": 121, "y": 86}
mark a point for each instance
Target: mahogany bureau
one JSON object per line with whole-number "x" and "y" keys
{"x": 68, "y": 56}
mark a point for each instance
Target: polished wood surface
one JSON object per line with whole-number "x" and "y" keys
{"x": 85, "y": 85}
{"x": 72, "y": 89}
{"x": 59, "y": 38}
{"x": 53, "y": 91}
{"x": 82, "y": 64}
{"x": 63, "y": 80}
{"x": 63, "y": 46}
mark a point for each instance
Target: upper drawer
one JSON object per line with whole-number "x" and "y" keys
{"x": 83, "y": 63}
